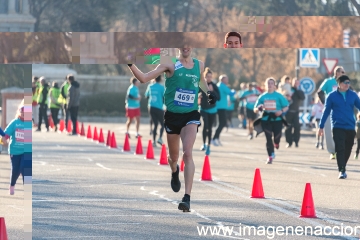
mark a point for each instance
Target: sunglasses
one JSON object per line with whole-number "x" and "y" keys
{"x": 347, "y": 82}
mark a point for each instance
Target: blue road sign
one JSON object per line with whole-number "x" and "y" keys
{"x": 309, "y": 57}
{"x": 307, "y": 85}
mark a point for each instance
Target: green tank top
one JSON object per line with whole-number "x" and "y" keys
{"x": 181, "y": 89}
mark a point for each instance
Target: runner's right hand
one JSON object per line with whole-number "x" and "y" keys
{"x": 260, "y": 108}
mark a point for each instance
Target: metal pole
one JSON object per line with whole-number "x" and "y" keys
{"x": 297, "y": 68}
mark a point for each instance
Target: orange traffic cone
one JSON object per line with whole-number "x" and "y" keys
{"x": 139, "y": 149}
{"x": 308, "y": 208}
{"x": 3, "y": 233}
{"x": 89, "y": 133}
{"x": 95, "y": 138}
{"x": 82, "y": 132}
{"x": 108, "y": 139}
{"x": 182, "y": 165}
{"x": 163, "y": 156}
{"x": 257, "y": 190}
{"x": 62, "y": 125}
{"x": 113, "y": 141}
{"x": 101, "y": 136}
{"x": 126, "y": 147}
{"x": 69, "y": 128}
{"x": 51, "y": 122}
{"x": 77, "y": 128}
{"x": 150, "y": 151}
{"x": 206, "y": 172}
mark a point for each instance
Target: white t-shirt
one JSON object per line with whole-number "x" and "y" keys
{"x": 317, "y": 110}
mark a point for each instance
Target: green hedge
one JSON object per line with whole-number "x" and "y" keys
{"x": 107, "y": 104}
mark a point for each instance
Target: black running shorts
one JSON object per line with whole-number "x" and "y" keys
{"x": 174, "y": 122}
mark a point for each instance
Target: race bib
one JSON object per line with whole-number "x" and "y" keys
{"x": 270, "y": 105}
{"x": 251, "y": 99}
{"x": 184, "y": 97}
{"x": 334, "y": 87}
{"x": 19, "y": 135}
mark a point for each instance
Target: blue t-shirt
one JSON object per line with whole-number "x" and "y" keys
{"x": 251, "y": 97}
{"x": 329, "y": 85}
{"x": 232, "y": 99}
{"x": 272, "y": 102}
{"x": 134, "y": 92}
{"x": 224, "y": 92}
{"x": 16, "y": 131}
{"x": 155, "y": 92}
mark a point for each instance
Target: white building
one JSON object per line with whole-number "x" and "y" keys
{"x": 15, "y": 16}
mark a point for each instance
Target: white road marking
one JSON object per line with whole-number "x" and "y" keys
{"x": 98, "y": 216}
{"x": 85, "y": 200}
{"x": 84, "y": 224}
{"x": 39, "y": 163}
{"x": 100, "y": 165}
{"x": 306, "y": 171}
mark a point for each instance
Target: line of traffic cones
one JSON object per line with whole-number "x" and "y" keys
{"x": 307, "y": 208}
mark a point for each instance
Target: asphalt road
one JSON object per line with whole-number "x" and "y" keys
{"x": 83, "y": 190}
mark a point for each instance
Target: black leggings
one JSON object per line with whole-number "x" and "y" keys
{"x": 222, "y": 122}
{"x": 157, "y": 116}
{"x": 344, "y": 141}
{"x": 54, "y": 115}
{"x": 208, "y": 119}
{"x": 270, "y": 128}
{"x": 358, "y": 146}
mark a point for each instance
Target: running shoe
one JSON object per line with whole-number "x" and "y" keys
{"x": 356, "y": 157}
{"x": 207, "y": 152}
{"x": 251, "y": 136}
{"x": 342, "y": 175}
{"x": 128, "y": 134}
{"x": 276, "y": 146}
{"x": 184, "y": 205}
{"x": 12, "y": 190}
{"x": 175, "y": 181}
{"x": 160, "y": 141}
{"x": 215, "y": 142}
{"x": 317, "y": 145}
{"x": 269, "y": 160}
{"x": 321, "y": 146}
{"x": 138, "y": 135}
{"x": 332, "y": 156}
{"x": 273, "y": 155}
{"x": 203, "y": 147}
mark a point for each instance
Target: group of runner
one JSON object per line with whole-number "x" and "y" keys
{"x": 190, "y": 94}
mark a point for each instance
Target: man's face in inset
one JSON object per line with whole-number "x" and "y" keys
{"x": 233, "y": 42}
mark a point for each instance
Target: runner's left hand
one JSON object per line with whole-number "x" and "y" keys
{"x": 211, "y": 97}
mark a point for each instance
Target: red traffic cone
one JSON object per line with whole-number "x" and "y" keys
{"x": 82, "y": 131}
{"x": 182, "y": 165}
{"x": 101, "y": 136}
{"x": 77, "y": 128}
{"x": 89, "y": 133}
{"x": 108, "y": 139}
{"x": 257, "y": 190}
{"x": 126, "y": 147}
{"x": 163, "y": 156}
{"x": 3, "y": 233}
{"x": 69, "y": 128}
{"x": 308, "y": 208}
{"x": 139, "y": 149}
{"x": 95, "y": 138}
{"x": 51, "y": 122}
{"x": 113, "y": 141}
{"x": 62, "y": 125}
{"x": 206, "y": 172}
{"x": 150, "y": 151}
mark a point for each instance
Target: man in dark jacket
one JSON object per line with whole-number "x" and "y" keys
{"x": 73, "y": 101}
{"x": 292, "y": 116}
{"x": 43, "y": 103}
{"x": 340, "y": 104}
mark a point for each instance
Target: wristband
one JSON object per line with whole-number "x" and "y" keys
{"x": 129, "y": 65}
